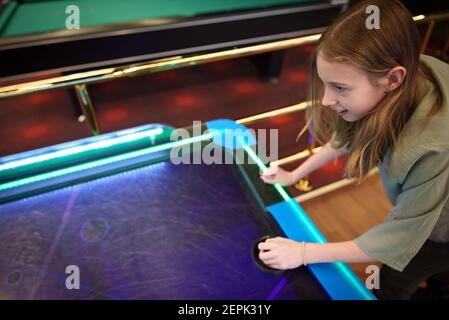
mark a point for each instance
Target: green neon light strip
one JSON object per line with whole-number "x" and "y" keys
{"x": 102, "y": 162}
{"x": 97, "y": 145}
{"x": 263, "y": 167}
{"x": 343, "y": 268}
{"x": 284, "y": 194}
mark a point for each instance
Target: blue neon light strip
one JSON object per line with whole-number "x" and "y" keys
{"x": 337, "y": 278}
{"x": 230, "y": 134}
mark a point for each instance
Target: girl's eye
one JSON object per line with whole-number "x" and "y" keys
{"x": 339, "y": 89}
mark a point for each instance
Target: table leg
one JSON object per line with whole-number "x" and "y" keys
{"x": 270, "y": 65}
{"x": 87, "y": 109}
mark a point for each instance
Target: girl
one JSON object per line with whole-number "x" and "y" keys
{"x": 376, "y": 98}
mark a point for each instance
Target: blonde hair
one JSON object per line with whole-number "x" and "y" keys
{"x": 375, "y": 51}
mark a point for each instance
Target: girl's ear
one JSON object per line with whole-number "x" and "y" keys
{"x": 394, "y": 78}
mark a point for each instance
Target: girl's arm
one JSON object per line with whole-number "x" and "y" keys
{"x": 278, "y": 175}
{"x": 346, "y": 251}
{"x": 326, "y": 154}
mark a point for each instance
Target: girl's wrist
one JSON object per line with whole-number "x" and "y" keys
{"x": 315, "y": 253}
{"x": 303, "y": 253}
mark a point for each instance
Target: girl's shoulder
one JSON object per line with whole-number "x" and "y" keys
{"x": 422, "y": 136}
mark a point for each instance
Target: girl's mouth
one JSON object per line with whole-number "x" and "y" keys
{"x": 343, "y": 112}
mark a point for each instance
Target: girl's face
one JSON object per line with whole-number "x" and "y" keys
{"x": 348, "y": 90}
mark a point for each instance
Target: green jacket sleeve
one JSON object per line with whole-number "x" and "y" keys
{"x": 417, "y": 209}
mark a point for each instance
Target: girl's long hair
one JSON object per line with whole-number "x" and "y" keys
{"x": 376, "y": 51}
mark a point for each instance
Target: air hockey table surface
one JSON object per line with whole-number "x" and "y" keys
{"x": 115, "y": 211}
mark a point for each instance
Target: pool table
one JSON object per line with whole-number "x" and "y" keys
{"x": 34, "y": 37}
{"x": 138, "y": 224}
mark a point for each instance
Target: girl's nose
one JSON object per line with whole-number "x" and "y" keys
{"x": 328, "y": 98}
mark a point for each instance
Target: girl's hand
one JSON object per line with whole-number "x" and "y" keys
{"x": 275, "y": 174}
{"x": 281, "y": 253}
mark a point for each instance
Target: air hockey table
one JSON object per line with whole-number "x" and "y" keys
{"x": 34, "y": 36}
{"x": 137, "y": 225}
